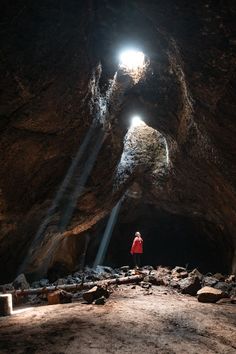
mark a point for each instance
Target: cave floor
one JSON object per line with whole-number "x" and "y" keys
{"x": 130, "y": 322}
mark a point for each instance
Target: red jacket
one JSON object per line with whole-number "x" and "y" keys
{"x": 137, "y": 246}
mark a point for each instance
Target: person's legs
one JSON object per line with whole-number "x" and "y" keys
{"x": 139, "y": 259}
{"x": 135, "y": 259}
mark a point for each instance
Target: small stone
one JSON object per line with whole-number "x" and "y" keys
{"x": 195, "y": 272}
{"x": 60, "y": 281}
{"x": 95, "y": 293}
{"x": 209, "y": 294}
{"x": 6, "y": 287}
{"x": 190, "y": 285}
{"x": 226, "y": 288}
{"x": 178, "y": 269}
{"x": 59, "y": 297}
{"x": 124, "y": 268}
{"x": 219, "y": 276}
{"x": 224, "y": 300}
{"x": 145, "y": 285}
{"x": 209, "y": 281}
{"x": 233, "y": 299}
{"x": 44, "y": 282}
{"x": 100, "y": 301}
{"x": 20, "y": 282}
{"x": 230, "y": 279}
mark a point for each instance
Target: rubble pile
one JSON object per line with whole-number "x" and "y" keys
{"x": 208, "y": 288}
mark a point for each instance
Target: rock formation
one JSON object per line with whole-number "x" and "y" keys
{"x": 57, "y": 62}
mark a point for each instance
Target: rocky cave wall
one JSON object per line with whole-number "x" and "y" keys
{"x": 50, "y": 54}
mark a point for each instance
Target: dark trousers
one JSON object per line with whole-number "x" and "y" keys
{"x": 137, "y": 259}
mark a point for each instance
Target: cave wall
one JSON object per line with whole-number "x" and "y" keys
{"x": 50, "y": 51}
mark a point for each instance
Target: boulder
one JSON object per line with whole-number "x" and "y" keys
{"x": 226, "y": 288}
{"x": 179, "y": 272}
{"x": 195, "y": 272}
{"x": 209, "y": 294}
{"x": 190, "y": 285}
{"x": 95, "y": 293}
{"x": 20, "y": 282}
{"x": 59, "y": 297}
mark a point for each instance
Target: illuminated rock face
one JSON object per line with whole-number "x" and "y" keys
{"x": 50, "y": 56}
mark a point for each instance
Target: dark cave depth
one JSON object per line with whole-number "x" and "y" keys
{"x": 169, "y": 240}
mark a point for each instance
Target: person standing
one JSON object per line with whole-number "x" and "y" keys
{"x": 137, "y": 249}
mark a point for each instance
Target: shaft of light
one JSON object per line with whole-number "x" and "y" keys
{"x": 67, "y": 212}
{"x": 58, "y": 197}
{"x": 107, "y": 234}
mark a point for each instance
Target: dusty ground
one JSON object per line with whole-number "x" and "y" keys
{"x": 130, "y": 322}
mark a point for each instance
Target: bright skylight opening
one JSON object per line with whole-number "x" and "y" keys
{"x": 132, "y": 59}
{"x": 136, "y": 122}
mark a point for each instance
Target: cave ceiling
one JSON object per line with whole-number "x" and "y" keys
{"x": 57, "y": 62}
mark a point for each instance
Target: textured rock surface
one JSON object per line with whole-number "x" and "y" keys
{"x": 49, "y": 91}
{"x": 208, "y": 294}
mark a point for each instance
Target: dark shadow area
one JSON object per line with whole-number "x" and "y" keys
{"x": 170, "y": 240}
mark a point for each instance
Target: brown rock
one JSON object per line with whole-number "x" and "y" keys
{"x": 219, "y": 276}
{"x": 59, "y": 297}
{"x": 209, "y": 294}
{"x": 230, "y": 279}
{"x": 95, "y": 293}
{"x": 224, "y": 300}
{"x": 190, "y": 285}
{"x": 195, "y": 272}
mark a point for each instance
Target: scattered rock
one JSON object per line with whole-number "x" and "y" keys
{"x": 195, "y": 272}
{"x": 60, "y": 281}
{"x": 6, "y": 287}
{"x": 148, "y": 267}
{"x": 100, "y": 301}
{"x": 150, "y": 279}
{"x": 174, "y": 283}
{"x": 145, "y": 285}
{"x": 178, "y": 269}
{"x": 209, "y": 294}
{"x": 20, "y": 282}
{"x": 124, "y": 268}
{"x": 44, "y": 282}
{"x": 219, "y": 276}
{"x": 190, "y": 285}
{"x": 224, "y": 300}
{"x": 209, "y": 281}
{"x": 233, "y": 299}
{"x": 35, "y": 285}
{"x": 233, "y": 290}
{"x": 226, "y": 288}
{"x": 230, "y": 279}
{"x": 59, "y": 297}
{"x": 95, "y": 293}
